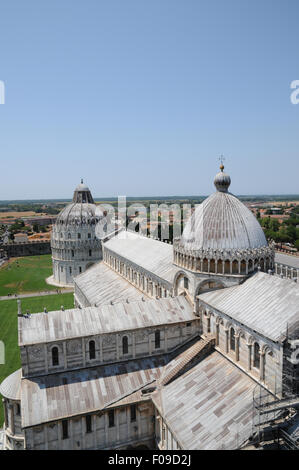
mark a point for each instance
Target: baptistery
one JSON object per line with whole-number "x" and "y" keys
{"x": 223, "y": 237}
{"x": 75, "y": 246}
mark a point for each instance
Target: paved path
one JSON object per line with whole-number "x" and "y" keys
{"x": 36, "y": 294}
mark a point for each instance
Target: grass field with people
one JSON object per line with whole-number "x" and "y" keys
{"x": 9, "y": 327}
{"x": 26, "y": 275}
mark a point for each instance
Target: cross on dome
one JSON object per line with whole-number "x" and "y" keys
{"x": 221, "y": 159}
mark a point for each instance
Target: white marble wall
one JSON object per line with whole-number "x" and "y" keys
{"x": 241, "y": 349}
{"x": 74, "y": 249}
{"x": 74, "y": 353}
{"x": 14, "y": 436}
{"x": 123, "y": 433}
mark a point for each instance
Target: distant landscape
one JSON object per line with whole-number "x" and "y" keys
{"x": 244, "y": 197}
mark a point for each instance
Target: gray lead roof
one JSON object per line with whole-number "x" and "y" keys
{"x": 265, "y": 303}
{"x": 77, "y": 323}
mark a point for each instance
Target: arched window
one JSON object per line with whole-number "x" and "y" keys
{"x": 212, "y": 266}
{"x": 88, "y": 421}
{"x": 235, "y": 267}
{"x": 157, "y": 340}
{"x": 125, "y": 345}
{"x": 232, "y": 340}
{"x": 65, "y": 430}
{"x": 69, "y": 236}
{"x": 111, "y": 418}
{"x": 227, "y": 266}
{"x": 208, "y": 324}
{"x": 243, "y": 266}
{"x": 186, "y": 283}
{"x": 205, "y": 265}
{"x": 256, "y": 356}
{"x": 55, "y": 356}
{"x": 92, "y": 349}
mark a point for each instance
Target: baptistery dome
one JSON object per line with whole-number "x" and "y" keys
{"x": 75, "y": 246}
{"x": 223, "y": 236}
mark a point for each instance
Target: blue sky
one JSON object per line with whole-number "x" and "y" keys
{"x": 140, "y": 97}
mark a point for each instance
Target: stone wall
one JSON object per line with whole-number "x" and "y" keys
{"x": 27, "y": 249}
{"x": 75, "y": 353}
{"x": 14, "y": 436}
{"x": 74, "y": 249}
{"x": 255, "y": 354}
{"x": 116, "y": 428}
{"x": 163, "y": 435}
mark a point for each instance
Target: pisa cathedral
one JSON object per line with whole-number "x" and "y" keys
{"x": 171, "y": 347}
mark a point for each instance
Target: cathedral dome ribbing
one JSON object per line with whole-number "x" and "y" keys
{"x": 223, "y": 228}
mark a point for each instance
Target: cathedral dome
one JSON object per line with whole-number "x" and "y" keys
{"x": 222, "y": 227}
{"x": 222, "y": 221}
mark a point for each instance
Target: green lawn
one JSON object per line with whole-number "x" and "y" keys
{"x": 8, "y": 327}
{"x": 26, "y": 274}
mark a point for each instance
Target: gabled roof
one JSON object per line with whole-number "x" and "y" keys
{"x": 90, "y": 321}
{"x": 265, "y": 303}
{"x": 208, "y": 407}
{"x": 152, "y": 255}
{"x": 73, "y": 393}
{"x": 289, "y": 260}
{"x": 100, "y": 285}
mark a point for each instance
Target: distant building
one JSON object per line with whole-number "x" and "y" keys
{"x": 20, "y": 238}
{"x": 48, "y": 220}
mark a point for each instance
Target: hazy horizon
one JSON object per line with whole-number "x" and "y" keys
{"x": 143, "y": 97}
{"x": 115, "y": 198}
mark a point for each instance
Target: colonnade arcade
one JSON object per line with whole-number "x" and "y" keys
{"x": 238, "y": 262}
{"x": 239, "y": 345}
{"x": 145, "y": 281}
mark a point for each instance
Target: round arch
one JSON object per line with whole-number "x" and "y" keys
{"x": 208, "y": 284}
{"x": 177, "y": 278}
